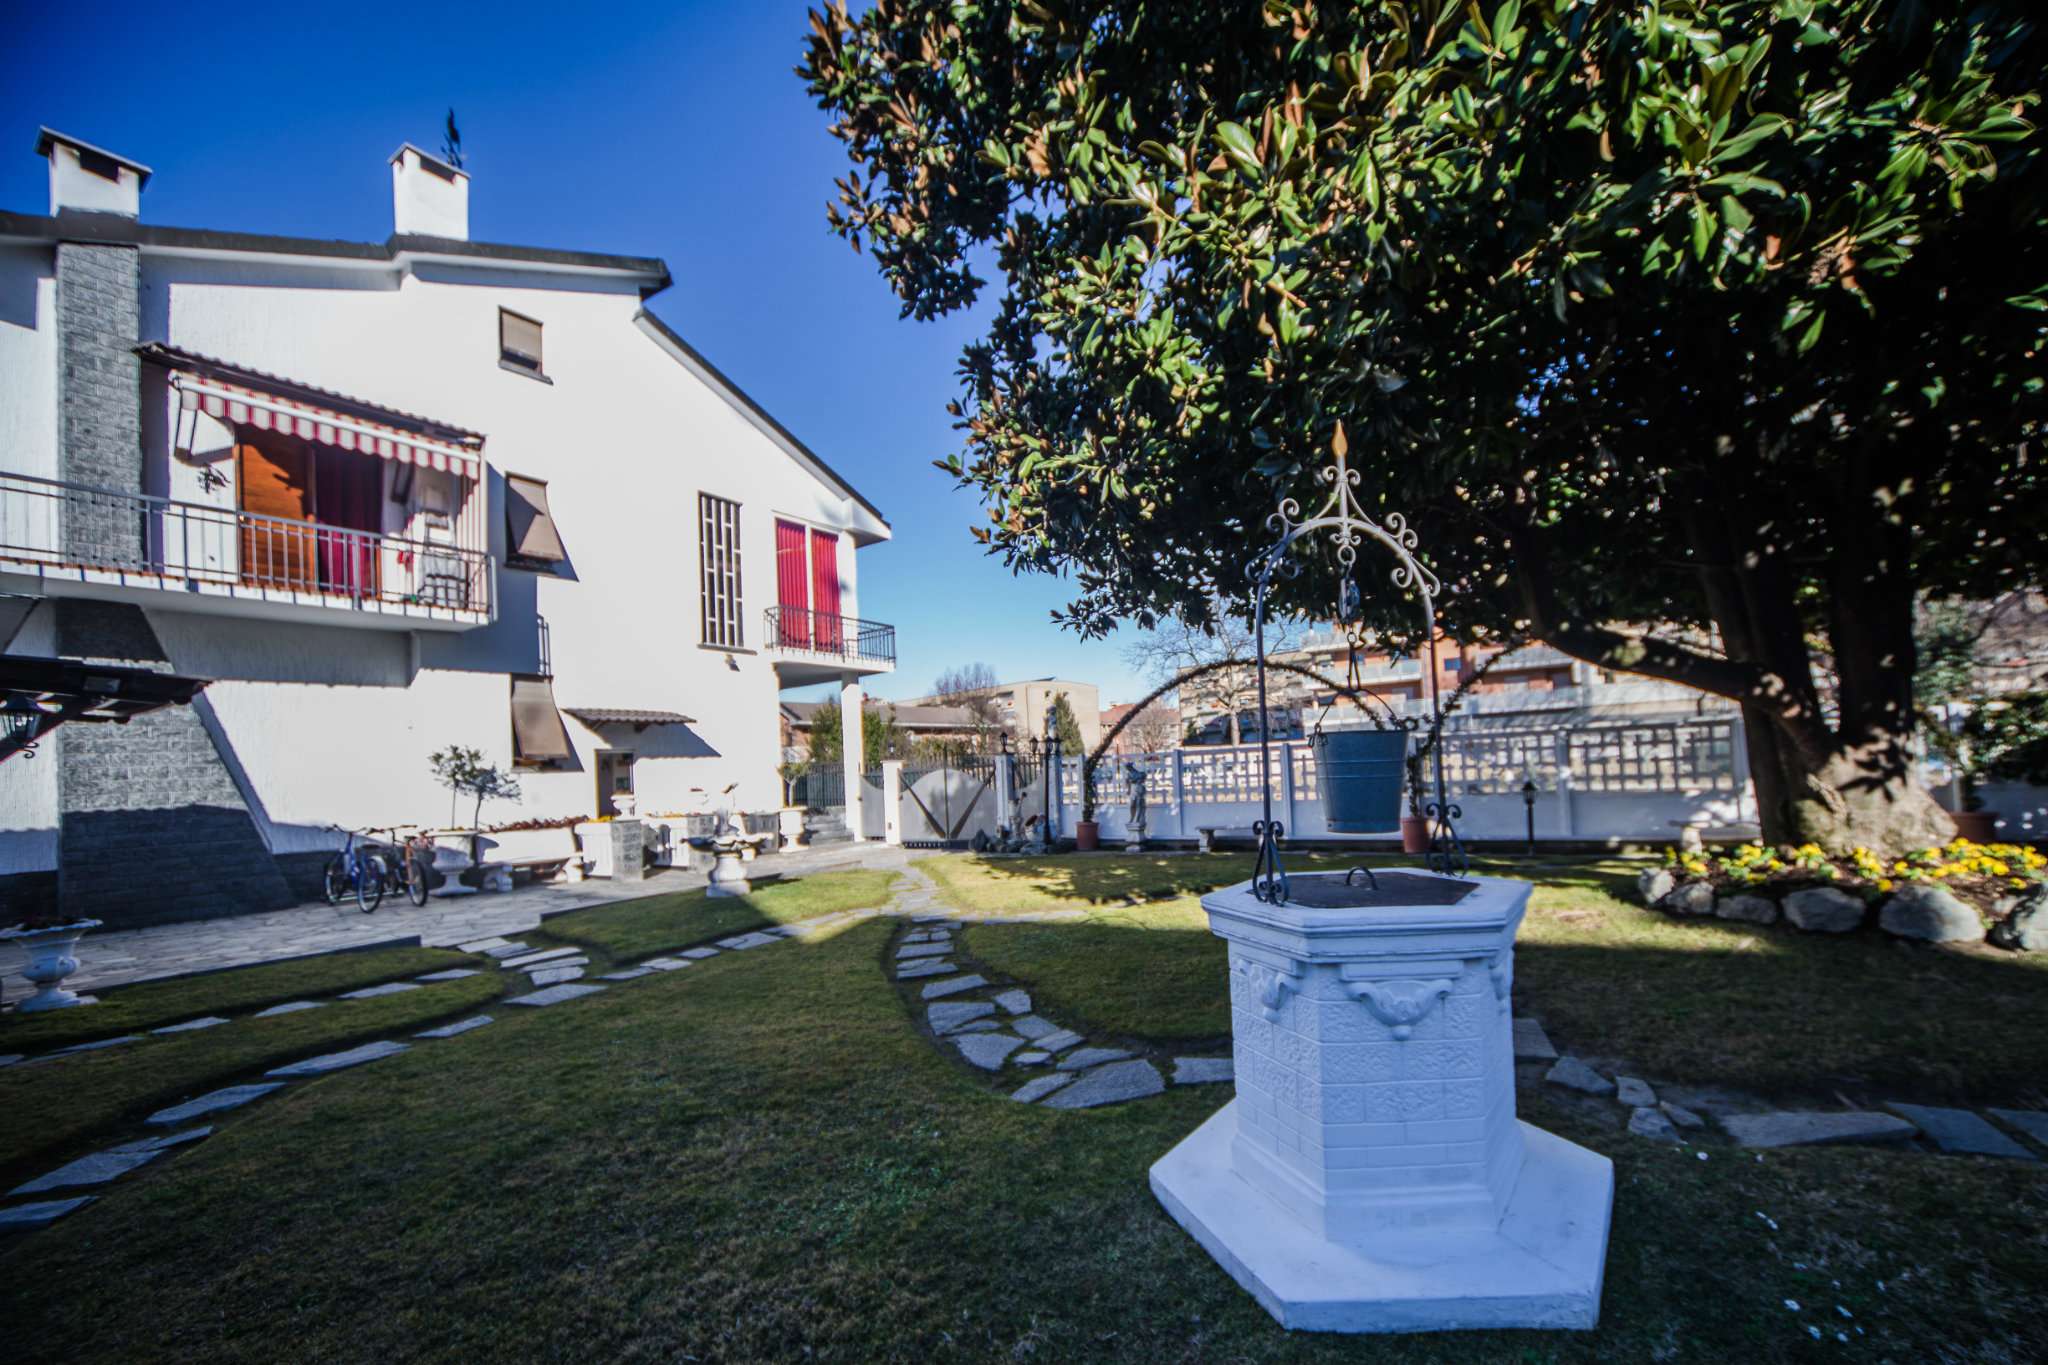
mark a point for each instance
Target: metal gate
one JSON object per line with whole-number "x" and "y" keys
{"x": 822, "y": 787}
{"x": 947, "y": 801}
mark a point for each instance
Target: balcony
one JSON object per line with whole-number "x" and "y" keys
{"x": 815, "y": 646}
{"x": 82, "y": 541}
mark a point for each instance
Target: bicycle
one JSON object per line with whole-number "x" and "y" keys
{"x": 415, "y": 855}
{"x": 357, "y": 870}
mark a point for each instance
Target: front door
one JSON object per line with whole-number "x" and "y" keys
{"x": 614, "y": 779}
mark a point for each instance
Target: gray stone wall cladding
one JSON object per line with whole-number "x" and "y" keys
{"x": 26, "y": 893}
{"x": 99, "y": 410}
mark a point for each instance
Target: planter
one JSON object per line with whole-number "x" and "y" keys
{"x": 1087, "y": 836}
{"x": 52, "y": 956}
{"x": 728, "y": 874}
{"x": 1362, "y": 774}
{"x": 1978, "y": 826}
{"x": 1414, "y": 834}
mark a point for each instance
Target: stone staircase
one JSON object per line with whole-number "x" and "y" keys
{"x": 822, "y": 828}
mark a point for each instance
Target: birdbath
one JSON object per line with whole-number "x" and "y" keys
{"x": 1371, "y": 1175}
{"x": 728, "y": 872}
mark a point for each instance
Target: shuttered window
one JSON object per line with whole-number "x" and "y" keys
{"x": 718, "y": 541}
{"x": 518, "y": 340}
{"x": 539, "y": 739}
{"x": 530, "y": 534}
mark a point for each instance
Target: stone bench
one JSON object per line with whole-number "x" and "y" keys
{"x": 540, "y": 853}
{"x": 1205, "y": 835}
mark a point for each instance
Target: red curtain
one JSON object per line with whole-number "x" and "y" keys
{"x": 348, "y": 494}
{"x": 792, "y": 586}
{"x": 825, "y": 589}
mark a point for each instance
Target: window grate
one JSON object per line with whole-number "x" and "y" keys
{"x": 718, "y": 539}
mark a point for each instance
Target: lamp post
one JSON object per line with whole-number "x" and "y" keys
{"x": 1529, "y": 811}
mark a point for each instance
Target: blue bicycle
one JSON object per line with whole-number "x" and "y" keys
{"x": 356, "y": 870}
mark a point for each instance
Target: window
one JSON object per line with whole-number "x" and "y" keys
{"x": 538, "y": 737}
{"x": 718, "y": 542}
{"x": 531, "y": 541}
{"x": 518, "y": 341}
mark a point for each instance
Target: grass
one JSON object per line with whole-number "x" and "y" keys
{"x": 1705, "y": 1002}
{"x": 761, "y": 1159}
{"x": 148, "y": 1004}
{"x": 658, "y": 924}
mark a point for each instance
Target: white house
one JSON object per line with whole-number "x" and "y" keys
{"x": 390, "y": 497}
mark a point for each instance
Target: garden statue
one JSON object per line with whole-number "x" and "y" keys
{"x": 1134, "y": 825}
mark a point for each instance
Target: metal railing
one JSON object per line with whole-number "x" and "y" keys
{"x": 80, "y": 530}
{"x": 836, "y": 637}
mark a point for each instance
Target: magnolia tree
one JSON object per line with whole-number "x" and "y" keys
{"x": 1722, "y": 315}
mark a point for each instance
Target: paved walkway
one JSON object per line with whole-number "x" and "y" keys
{"x": 118, "y": 957}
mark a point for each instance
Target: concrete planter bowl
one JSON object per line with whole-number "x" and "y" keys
{"x": 52, "y": 956}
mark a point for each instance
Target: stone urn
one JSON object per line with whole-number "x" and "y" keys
{"x": 1371, "y": 1174}
{"x": 52, "y": 956}
{"x": 729, "y": 872}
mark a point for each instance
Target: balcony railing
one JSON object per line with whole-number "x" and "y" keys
{"x": 71, "y": 530}
{"x": 804, "y": 631}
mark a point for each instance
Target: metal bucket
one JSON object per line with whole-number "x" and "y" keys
{"x": 1361, "y": 774}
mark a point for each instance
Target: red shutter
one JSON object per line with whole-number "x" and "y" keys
{"x": 792, "y": 586}
{"x": 825, "y": 589}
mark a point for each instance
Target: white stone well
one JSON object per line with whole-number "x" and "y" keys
{"x": 1371, "y": 1175}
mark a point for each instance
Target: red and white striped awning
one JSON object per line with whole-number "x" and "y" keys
{"x": 268, "y": 412}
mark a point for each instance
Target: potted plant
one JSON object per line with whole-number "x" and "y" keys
{"x": 1414, "y": 828}
{"x": 1087, "y": 833}
{"x": 2002, "y": 739}
{"x": 52, "y": 947}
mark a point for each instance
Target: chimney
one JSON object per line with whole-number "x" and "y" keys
{"x": 89, "y": 179}
{"x": 429, "y": 197}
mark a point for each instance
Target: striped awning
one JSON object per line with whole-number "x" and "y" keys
{"x": 246, "y": 406}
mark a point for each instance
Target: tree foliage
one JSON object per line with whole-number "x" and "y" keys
{"x": 881, "y": 737}
{"x": 1064, "y": 723}
{"x": 1724, "y": 316}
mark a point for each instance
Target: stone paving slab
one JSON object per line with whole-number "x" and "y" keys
{"x": 746, "y": 941}
{"x": 928, "y": 967}
{"x": 166, "y": 1141}
{"x": 97, "y": 1169}
{"x": 1532, "y": 1044}
{"x": 1056, "y": 1042}
{"x": 630, "y": 974}
{"x": 452, "y": 974}
{"x": 1089, "y": 1056}
{"x": 551, "y": 975}
{"x": 1032, "y": 1057}
{"x": 665, "y": 964}
{"x": 525, "y": 960}
{"x": 947, "y": 1016}
{"x": 698, "y": 954}
{"x": 1203, "y": 1070}
{"x": 457, "y": 1029}
{"x": 1015, "y": 1002}
{"x": 1574, "y": 1074}
{"x": 191, "y": 1025}
{"x": 1958, "y": 1131}
{"x": 340, "y": 1061}
{"x": 1796, "y": 1129}
{"x": 232, "y": 1097}
{"x": 987, "y": 1050}
{"x": 505, "y": 950}
{"x": 1031, "y": 1026}
{"x": 1653, "y": 1124}
{"x": 10, "y": 1059}
{"x": 555, "y": 995}
{"x": 2032, "y": 1122}
{"x": 937, "y": 990}
{"x": 1634, "y": 1092}
{"x": 290, "y": 1007}
{"x": 93, "y": 1046}
{"x": 978, "y": 1026}
{"x": 481, "y": 944}
{"x": 1038, "y": 1087}
{"x": 372, "y": 992}
{"x": 910, "y": 950}
{"x": 22, "y": 1217}
{"x": 1119, "y": 1081}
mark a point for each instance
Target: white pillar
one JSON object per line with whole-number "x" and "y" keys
{"x": 852, "y": 743}
{"x": 892, "y": 801}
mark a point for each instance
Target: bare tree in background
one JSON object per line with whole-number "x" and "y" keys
{"x": 972, "y": 688}
{"x": 1173, "y": 647}
{"x": 1153, "y": 730}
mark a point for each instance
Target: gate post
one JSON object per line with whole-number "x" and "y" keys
{"x": 853, "y": 745}
{"x": 892, "y": 801}
{"x": 1562, "y": 740}
{"x": 1287, "y": 786}
{"x": 1180, "y": 799}
{"x": 1006, "y": 786}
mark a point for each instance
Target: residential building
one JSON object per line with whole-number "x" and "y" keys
{"x": 1159, "y": 728}
{"x": 390, "y": 497}
{"x": 951, "y": 723}
{"x": 1021, "y": 707}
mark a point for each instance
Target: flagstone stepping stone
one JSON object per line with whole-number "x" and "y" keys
{"x": 1652, "y": 1123}
{"x": 938, "y": 989}
{"x": 1574, "y": 1074}
{"x": 555, "y": 995}
{"x": 483, "y": 944}
{"x": 452, "y": 974}
{"x": 1038, "y": 1087}
{"x": 24, "y": 1216}
{"x": 97, "y": 1169}
{"x": 630, "y": 974}
{"x": 1960, "y": 1131}
{"x": 1532, "y": 1044}
{"x": 927, "y": 967}
{"x": 10, "y": 1059}
{"x": 290, "y": 1007}
{"x": 166, "y": 1141}
{"x": 1681, "y": 1116}
{"x": 2032, "y": 1122}
{"x": 1110, "y": 1084}
{"x": 1787, "y": 1128}
{"x": 742, "y": 942}
{"x": 1203, "y": 1070}
{"x": 947, "y": 1016}
{"x": 505, "y": 950}
{"x": 1015, "y": 1002}
{"x": 931, "y": 919}
{"x": 1031, "y": 1026}
{"x": 987, "y": 1050}
{"x": 233, "y": 1097}
{"x": 978, "y": 1026}
{"x": 372, "y": 992}
{"x": 191, "y": 1025}
{"x": 665, "y": 964}
{"x": 456, "y": 1029}
{"x": 548, "y": 976}
{"x": 1058, "y": 1042}
{"x": 525, "y": 960}
{"x": 698, "y": 954}
{"x": 1634, "y": 1093}
{"x": 93, "y": 1046}
{"x": 910, "y": 950}
{"x": 1091, "y": 1056}
{"x": 340, "y": 1061}
{"x": 558, "y": 963}
{"x": 1032, "y": 1057}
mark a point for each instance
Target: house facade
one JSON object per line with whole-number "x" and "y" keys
{"x": 390, "y": 497}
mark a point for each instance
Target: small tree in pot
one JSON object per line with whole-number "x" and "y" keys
{"x": 464, "y": 772}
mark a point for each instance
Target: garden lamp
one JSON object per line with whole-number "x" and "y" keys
{"x": 1529, "y": 811}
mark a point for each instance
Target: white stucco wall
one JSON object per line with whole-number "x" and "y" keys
{"x": 28, "y": 361}
{"x": 28, "y": 786}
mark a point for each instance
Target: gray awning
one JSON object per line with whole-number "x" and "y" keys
{"x": 529, "y": 526}
{"x": 599, "y": 715}
{"x": 538, "y": 735}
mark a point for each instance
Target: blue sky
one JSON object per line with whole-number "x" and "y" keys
{"x": 658, "y": 129}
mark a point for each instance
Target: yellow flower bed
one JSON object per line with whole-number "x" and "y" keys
{"x": 1980, "y": 871}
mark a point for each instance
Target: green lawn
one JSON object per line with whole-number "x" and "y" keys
{"x": 1703, "y": 1002}
{"x": 660, "y": 924}
{"x": 760, "y": 1158}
